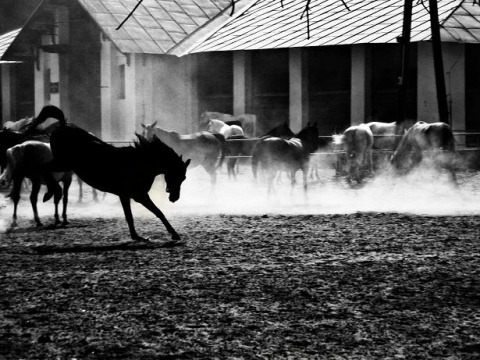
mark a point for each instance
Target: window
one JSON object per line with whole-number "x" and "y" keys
{"x": 121, "y": 91}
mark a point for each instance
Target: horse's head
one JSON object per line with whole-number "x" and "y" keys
{"x": 310, "y": 137}
{"x": 405, "y": 157}
{"x": 175, "y": 178}
{"x": 165, "y": 161}
{"x": 148, "y": 130}
{"x": 215, "y": 126}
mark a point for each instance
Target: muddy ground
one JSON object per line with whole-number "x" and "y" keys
{"x": 370, "y": 273}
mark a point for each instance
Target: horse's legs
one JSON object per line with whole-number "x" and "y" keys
{"x": 67, "y": 181}
{"x": 80, "y": 189}
{"x": 52, "y": 185}
{"x": 15, "y": 195}
{"x": 36, "y": 183}
{"x": 127, "y": 210}
{"x": 231, "y": 167}
{"x": 305, "y": 171}
{"x": 211, "y": 168}
{"x": 370, "y": 162}
{"x": 148, "y": 203}
{"x": 95, "y": 194}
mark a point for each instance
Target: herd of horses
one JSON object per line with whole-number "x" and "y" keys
{"x": 47, "y": 149}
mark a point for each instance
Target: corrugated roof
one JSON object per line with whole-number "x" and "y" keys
{"x": 266, "y": 24}
{"x": 156, "y": 25}
{"x": 463, "y": 25}
{"x": 5, "y": 41}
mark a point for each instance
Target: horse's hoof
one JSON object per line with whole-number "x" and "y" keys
{"x": 176, "y": 237}
{"x": 141, "y": 239}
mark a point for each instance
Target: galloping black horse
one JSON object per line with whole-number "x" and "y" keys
{"x": 274, "y": 154}
{"x": 127, "y": 171}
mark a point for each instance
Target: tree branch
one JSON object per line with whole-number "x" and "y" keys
{"x": 131, "y": 13}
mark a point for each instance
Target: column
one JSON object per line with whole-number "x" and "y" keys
{"x": 298, "y": 72}
{"x": 360, "y": 85}
{"x": 242, "y": 82}
{"x": 62, "y": 15}
{"x": 427, "y": 107}
{"x": 8, "y": 93}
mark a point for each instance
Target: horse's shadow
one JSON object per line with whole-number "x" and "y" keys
{"x": 86, "y": 248}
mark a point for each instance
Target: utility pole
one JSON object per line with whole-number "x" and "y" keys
{"x": 438, "y": 63}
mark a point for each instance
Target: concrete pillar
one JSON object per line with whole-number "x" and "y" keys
{"x": 62, "y": 16}
{"x": 242, "y": 82}
{"x": 427, "y": 107}
{"x": 298, "y": 100}
{"x": 192, "y": 114}
{"x": 41, "y": 74}
{"x": 107, "y": 61}
{"x": 54, "y": 79}
{"x": 360, "y": 85}
{"x": 131, "y": 109}
{"x": 9, "y": 112}
{"x": 454, "y": 64}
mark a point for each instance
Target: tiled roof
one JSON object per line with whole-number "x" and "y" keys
{"x": 463, "y": 25}
{"x": 5, "y": 41}
{"x": 156, "y": 25}
{"x": 266, "y": 24}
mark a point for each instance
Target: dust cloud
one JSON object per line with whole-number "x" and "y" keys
{"x": 424, "y": 191}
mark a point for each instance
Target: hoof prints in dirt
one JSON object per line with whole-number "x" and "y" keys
{"x": 353, "y": 286}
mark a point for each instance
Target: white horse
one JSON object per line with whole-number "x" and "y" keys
{"x": 219, "y": 127}
{"x": 357, "y": 142}
{"x": 246, "y": 121}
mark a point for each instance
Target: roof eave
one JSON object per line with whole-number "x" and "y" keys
{"x": 210, "y": 28}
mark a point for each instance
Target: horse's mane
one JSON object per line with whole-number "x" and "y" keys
{"x": 154, "y": 146}
{"x": 280, "y": 130}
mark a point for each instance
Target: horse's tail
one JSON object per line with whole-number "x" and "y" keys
{"x": 48, "y": 111}
{"x": 6, "y": 177}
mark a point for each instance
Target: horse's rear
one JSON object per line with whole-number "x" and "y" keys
{"x": 205, "y": 149}
{"x": 26, "y": 160}
{"x": 431, "y": 140}
{"x": 357, "y": 142}
{"x": 275, "y": 154}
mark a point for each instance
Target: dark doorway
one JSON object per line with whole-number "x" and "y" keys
{"x": 215, "y": 82}
{"x": 472, "y": 92}
{"x": 386, "y": 68}
{"x": 329, "y": 78}
{"x": 270, "y": 88}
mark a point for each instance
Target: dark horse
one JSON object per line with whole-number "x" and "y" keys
{"x": 240, "y": 145}
{"x": 273, "y": 154}
{"x": 434, "y": 140}
{"x": 128, "y": 172}
{"x": 25, "y": 160}
{"x": 203, "y": 148}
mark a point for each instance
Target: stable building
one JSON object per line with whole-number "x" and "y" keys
{"x": 172, "y": 60}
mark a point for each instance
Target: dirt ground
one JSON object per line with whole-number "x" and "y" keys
{"x": 387, "y": 271}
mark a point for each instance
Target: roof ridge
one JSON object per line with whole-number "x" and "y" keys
{"x": 210, "y": 27}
